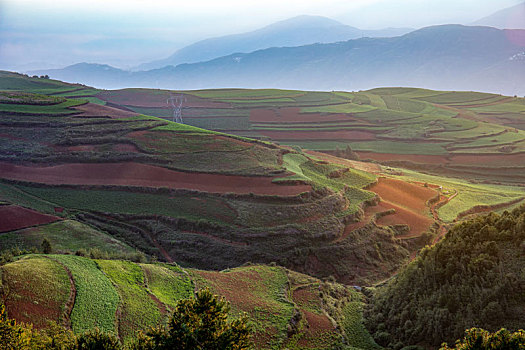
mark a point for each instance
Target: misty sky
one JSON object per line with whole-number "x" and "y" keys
{"x": 123, "y": 33}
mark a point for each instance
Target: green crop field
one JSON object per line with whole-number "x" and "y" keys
{"x": 64, "y": 236}
{"x": 137, "y": 309}
{"x": 96, "y": 299}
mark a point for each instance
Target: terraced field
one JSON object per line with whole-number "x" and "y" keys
{"x": 120, "y": 182}
{"x": 438, "y": 131}
{"x": 287, "y": 309}
{"x": 212, "y": 200}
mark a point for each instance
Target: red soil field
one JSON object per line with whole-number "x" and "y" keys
{"x": 13, "y": 217}
{"x": 238, "y": 288}
{"x": 490, "y": 160}
{"x": 318, "y": 135}
{"x": 418, "y": 223}
{"x": 410, "y": 196}
{"x": 157, "y": 99}
{"x": 294, "y": 115}
{"x": 94, "y": 110}
{"x": 143, "y": 175}
{"x": 415, "y": 158}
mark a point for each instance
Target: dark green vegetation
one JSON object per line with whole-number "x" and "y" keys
{"x": 285, "y": 309}
{"x": 480, "y": 339}
{"x": 474, "y": 276}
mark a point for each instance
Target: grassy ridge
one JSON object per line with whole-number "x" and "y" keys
{"x": 137, "y": 310}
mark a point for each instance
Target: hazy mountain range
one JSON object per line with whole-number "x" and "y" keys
{"x": 452, "y": 57}
{"x": 297, "y": 31}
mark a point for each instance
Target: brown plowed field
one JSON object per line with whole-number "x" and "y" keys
{"x": 411, "y": 196}
{"x": 409, "y": 201}
{"x": 415, "y": 158}
{"x": 294, "y": 115}
{"x": 418, "y": 223}
{"x": 318, "y": 135}
{"x": 13, "y": 217}
{"x": 94, "y": 110}
{"x": 143, "y": 175}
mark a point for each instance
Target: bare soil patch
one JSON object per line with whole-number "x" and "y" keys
{"x": 144, "y": 175}
{"x": 94, "y": 110}
{"x": 13, "y": 217}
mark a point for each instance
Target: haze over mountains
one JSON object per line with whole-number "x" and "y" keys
{"x": 452, "y": 57}
{"x": 509, "y": 18}
{"x": 296, "y": 31}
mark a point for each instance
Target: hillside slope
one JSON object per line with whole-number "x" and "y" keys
{"x": 204, "y": 199}
{"x": 509, "y": 18}
{"x": 287, "y": 309}
{"x": 473, "y": 277}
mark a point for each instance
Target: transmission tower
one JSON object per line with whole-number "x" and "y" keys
{"x": 176, "y": 103}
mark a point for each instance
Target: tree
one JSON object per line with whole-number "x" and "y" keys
{"x": 200, "y": 323}
{"x": 97, "y": 340}
{"x": 480, "y": 339}
{"x": 46, "y": 246}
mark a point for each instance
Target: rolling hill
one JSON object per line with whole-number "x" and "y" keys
{"x": 110, "y": 187}
{"x": 448, "y": 57}
{"x": 180, "y": 193}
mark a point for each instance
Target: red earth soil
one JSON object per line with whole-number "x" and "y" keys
{"x": 318, "y": 135}
{"x": 415, "y": 158}
{"x": 237, "y": 288}
{"x": 94, "y": 110}
{"x": 13, "y": 217}
{"x": 484, "y": 160}
{"x": 143, "y": 175}
{"x": 294, "y": 115}
{"x": 140, "y": 98}
{"x": 418, "y": 223}
{"x": 408, "y": 195}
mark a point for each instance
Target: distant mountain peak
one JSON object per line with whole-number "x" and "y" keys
{"x": 509, "y": 18}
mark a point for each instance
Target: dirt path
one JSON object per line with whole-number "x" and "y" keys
{"x": 68, "y": 307}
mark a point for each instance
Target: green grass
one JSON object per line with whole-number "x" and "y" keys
{"x": 133, "y": 203}
{"x": 13, "y": 194}
{"x": 168, "y": 283}
{"x": 57, "y": 109}
{"x": 64, "y": 236}
{"x": 96, "y": 300}
{"x": 137, "y": 309}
